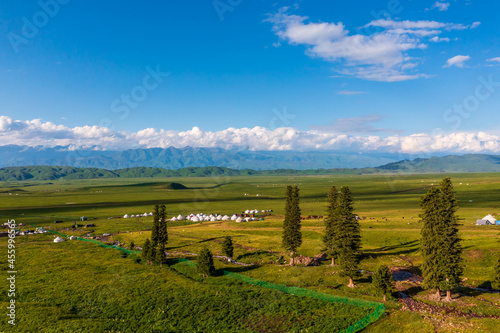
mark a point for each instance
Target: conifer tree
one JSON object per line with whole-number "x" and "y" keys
{"x": 154, "y": 229}
{"x": 440, "y": 242}
{"x": 160, "y": 254}
{"x": 227, "y": 247}
{"x": 292, "y": 236}
{"x": 132, "y": 245}
{"x": 152, "y": 253}
{"x": 496, "y": 276}
{"x": 348, "y": 235}
{"x": 330, "y": 237}
{"x": 429, "y": 246}
{"x": 162, "y": 227}
{"x": 382, "y": 282}
{"x": 205, "y": 263}
{"x": 146, "y": 250}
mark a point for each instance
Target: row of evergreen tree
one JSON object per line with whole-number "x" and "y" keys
{"x": 154, "y": 249}
{"x": 440, "y": 243}
{"x": 342, "y": 237}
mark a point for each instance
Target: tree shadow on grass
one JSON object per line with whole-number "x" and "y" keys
{"x": 193, "y": 243}
{"x": 401, "y": 249}
{"x": 235, "y": 269}
{"x": 412, "y": 291}
{"x": 258, "y": 254}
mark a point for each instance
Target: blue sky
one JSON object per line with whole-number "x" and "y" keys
{"x": 345, "y": 71}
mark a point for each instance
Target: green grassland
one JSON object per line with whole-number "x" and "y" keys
{"x": 92, "y": 289}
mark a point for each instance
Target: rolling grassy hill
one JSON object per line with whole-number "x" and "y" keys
{"x": 447, "y": 164}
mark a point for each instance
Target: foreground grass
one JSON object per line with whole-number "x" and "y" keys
{"x": 81, "y": 287}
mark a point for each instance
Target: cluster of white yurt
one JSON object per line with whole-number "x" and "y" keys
{"x": 252, "y": 211}
{"x": 126, "y": 216}
{"x": 200, "y": 217}
{"x": 245, "y": 219}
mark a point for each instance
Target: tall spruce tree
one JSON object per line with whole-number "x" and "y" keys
{"x": 162, "y": 227}
{"x": 227, "y": 247}
{"x": 151, "y": 253}
{"x": 292, "y": 236}
{"x": 440, "y": 243}
{"x": 382, "y": 282}
{"x": 155, "y": 232}
{"x": 205, "y": 263}
{"x": 496, "y": 276}
{"x": 160, "y": 254}
{"x": 330, "y": 239}
{"x": 429, "y": 246}
{"x": 146, "y": 250}
{"x": 348, "y": 235}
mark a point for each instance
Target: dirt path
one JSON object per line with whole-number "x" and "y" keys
{"x": 410, "y": 304}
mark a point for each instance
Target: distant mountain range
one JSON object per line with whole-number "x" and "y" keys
{"x": 176, "y": 158}
{"x": 446, "y": 164}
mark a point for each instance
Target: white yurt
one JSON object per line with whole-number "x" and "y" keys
{"x": 132, "y": 215}
{"x": 213, "y": 219}
{"x": 180, "y": 217}
{"x": 234, "y": 217}
{"x": 239, "y": 219}
{"x": 225, "y": 218}
{"x": 247, "y": 211}
{"x": 126, "y": 216}
{"x": 195, "y": 219}
{"x": 247, "y": 219}
{"x": 58, "y": 240}
{"x": 173, "y": 219}
{"x": 219, "y": 217}
{"x": 72, "y": 238}
{"x": 150, "y": 214}
{"x": 490, "y": 218}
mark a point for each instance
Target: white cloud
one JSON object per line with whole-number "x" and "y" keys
{"x": 437, "y": 39}
{"x": 379, "y": 53}
{"x": 475, "y": 25}
{"x": 457, "y": 61}
{"x": 350, "y": 92}
{"x": 441, "y": 6}
{"x": 360, "y": 124}
{"x": 496, "y": 59}
{"x": 338, "y": 136}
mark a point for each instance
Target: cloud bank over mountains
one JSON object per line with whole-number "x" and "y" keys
{"x": 40, "y": 133}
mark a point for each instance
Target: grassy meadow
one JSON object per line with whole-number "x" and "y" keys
{"x": 80, "y": 287}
